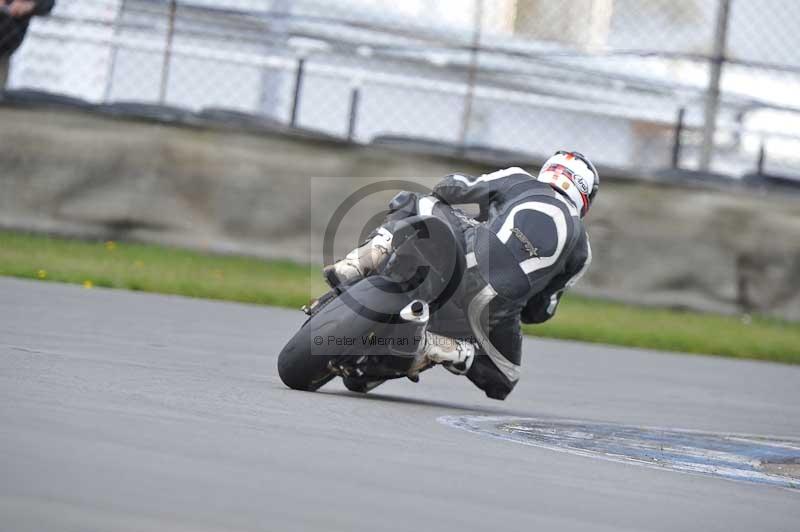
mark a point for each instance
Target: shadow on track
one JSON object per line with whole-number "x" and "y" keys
{"x": 372, "y": 396}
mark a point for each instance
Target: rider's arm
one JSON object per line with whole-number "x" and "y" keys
{"x": 542, "y": 306}
{"x": 458, "y": 189}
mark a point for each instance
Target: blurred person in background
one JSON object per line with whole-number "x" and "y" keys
{"x": 14, "y": 18}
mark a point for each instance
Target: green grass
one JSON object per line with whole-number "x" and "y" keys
{"x": 173, "y": 271}
{"x": 600, "y": 321}
{"x": 157, "y": 269}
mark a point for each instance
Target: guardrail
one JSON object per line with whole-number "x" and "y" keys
{"x": 445, "y": 72}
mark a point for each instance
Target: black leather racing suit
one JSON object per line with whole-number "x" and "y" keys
{"x": 530, "y": 246}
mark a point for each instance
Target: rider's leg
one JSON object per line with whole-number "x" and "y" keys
{"x": 454, "y": 354}
{"x": 373, "y": 253}
{"x": 485, "y": 375}
{"x": 463, "y": 358}
{"x": 506, "y": 339}
{"x": 362, "y": 261}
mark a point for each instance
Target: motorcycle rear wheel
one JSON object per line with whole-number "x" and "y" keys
{"x": 298, "y": 368}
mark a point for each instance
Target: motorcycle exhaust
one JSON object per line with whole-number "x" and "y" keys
{"x": 416, "y": 312}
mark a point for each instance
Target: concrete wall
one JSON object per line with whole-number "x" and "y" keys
{"x": 70, "y": 172}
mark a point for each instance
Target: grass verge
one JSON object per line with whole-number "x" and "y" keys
{"x": 173, "y": 271}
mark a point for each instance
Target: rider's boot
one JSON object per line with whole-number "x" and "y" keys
{"x": 362, "y": 261}
{"x": 454, "y": 354}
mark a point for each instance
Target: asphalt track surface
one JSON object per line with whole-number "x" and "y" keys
{"x": 122, "y": 411}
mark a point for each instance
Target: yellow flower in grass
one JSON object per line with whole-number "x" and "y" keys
{"x": 41, "y": 274}
{"x": 111, "y": 245}
{"x": 88, "y": 284}
{"x": 138, "y": 264}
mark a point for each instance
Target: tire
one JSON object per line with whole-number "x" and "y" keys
{"x": 298, "y": 368}
{"x": 302, "y": 369}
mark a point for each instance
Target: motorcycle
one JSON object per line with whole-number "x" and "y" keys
{"x": 371, "y": 330}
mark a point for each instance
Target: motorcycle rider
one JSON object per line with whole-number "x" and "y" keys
{"x": 523, "y": 251}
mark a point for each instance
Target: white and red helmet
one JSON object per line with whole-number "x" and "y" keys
{"x": 574, "y": 175}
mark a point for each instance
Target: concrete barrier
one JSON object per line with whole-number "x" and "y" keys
{"x": 75, "y": 173}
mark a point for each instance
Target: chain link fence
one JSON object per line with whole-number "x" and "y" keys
{"x": 636, "y": 84}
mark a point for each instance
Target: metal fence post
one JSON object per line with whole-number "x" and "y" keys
{"x": 355, "y": 97}
{"x": 472, "y": 74}
{"x": 676, "y": 143}
{"x": 162, "y": 94}
{"x": 712, "y": 95}
{"x": 762, "y": 158}
{"x": 298, "y": 89}
{"x": 272, "y": 80}
{"x": 112, "y": 60}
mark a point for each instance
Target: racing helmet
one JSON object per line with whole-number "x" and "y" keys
{"x": 574, "y": 175}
